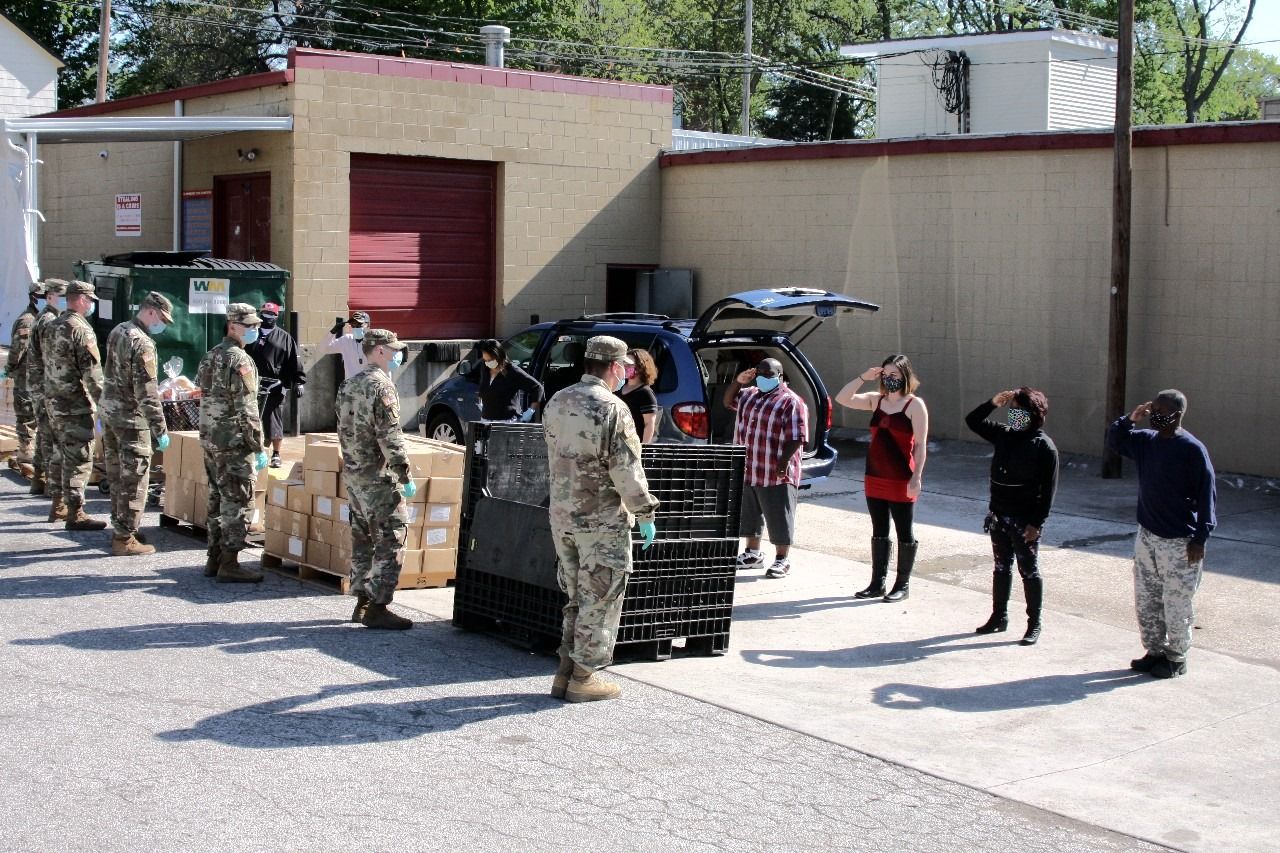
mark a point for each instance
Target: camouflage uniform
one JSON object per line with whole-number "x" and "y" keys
{"x": 74, "y": 372}
{"x": 597, "y": 482}
{"x": 48, "y": 456}
{"x": 374, "y": 464}
{"x": 230, "y": 433}
{"x": 131, "y": 416}
{"x": 1164, "y": 586}
{"x": 16, "y": 368}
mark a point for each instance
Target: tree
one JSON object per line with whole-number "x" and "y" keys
{"x": 802, "y": 112}
{"x": 70, "y": 32}
{"x": 1205, "y": 56}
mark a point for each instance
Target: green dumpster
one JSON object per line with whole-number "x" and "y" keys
{"x": 200, "y": 289}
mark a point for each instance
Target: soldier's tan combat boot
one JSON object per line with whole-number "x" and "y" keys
{"x": 26, "y": 470}
{"x": 211, "y": 564}
{"x": 362, "y": 604}
{"x": 77, "y": 520}
{"x": 37, "y": 484}
{"x": 230, "y": 570}
{"x": 58, "y": 510}
{"x": 128, "y": 546}
{"x": 588, "y": 686}
{"x": 378, "y": 616}
{"x": 560, "y": 683}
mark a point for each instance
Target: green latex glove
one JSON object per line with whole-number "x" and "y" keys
{"x": 260, "y": 460}
{"x": 163, "y": 444}
{"x": 409, "y": 489}
{"x": 648, "y": 531}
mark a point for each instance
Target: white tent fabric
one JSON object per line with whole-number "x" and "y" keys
{"x": 16, "y": 274}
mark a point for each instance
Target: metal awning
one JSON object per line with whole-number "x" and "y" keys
{"x": 132, "y": 129}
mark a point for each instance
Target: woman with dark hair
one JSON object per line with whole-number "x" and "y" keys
{"x": 1024, "y": 476}
{"x": 895, "y": 465}
{"x": 507, "y": 393}
{"x": 638, "y": 394}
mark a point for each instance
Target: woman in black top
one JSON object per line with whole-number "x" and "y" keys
{"x": 507, "y": 393}
{"x": 638, "y": 394}
{"x": 1024, "y": 477}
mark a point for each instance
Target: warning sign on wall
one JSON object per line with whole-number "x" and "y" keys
{"x": 129, "y": 215}
{"x": 209, "y": 295}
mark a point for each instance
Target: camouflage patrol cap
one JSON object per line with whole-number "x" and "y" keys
{"x": 606, "y": 348}
{"x": 382, "y": 338}
{"x": 82, "y": 288}
{"x": 56, "y": 286}
{"x": 37, "y": 288}
{"x": 243, "y": 313}
{"x": 161, "y": 303}
{"x": 360, "y": 318}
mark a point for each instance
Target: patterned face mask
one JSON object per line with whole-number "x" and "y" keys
{"x": 1162, "y": 421}
{"x": 1018, "y": 419}
{"x": 892, "y": 383}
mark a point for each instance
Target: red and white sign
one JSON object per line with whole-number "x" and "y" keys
{"x": 129, "y": 215}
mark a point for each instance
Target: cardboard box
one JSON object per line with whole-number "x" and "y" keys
{"x": 180, "y": 499}
{"x": 277, "y": 543}
{"x": 318, "y": 554}
{"x": 420, "y": 496}
{"x": 322, "y": 483}
{"x": 416, "y": 514}
{"x": 323, "y": 456}
{"x": 295, "y": 549}
{"x": 259, "y": 515}
{"x": 324, "y": 506}
{"x": 449, "y": 461}
{"x": 342, "y": 488}
{"x": 411, "y": 561}
{"x": 413, "y": 539}
{"x": 439, "y": 560}
{"x": 192, "y": 461}
{"x": 200, "y": 509}
{"x": 171, "y": 460}
{"x": 317, "y": 437}
{"x": 342, "y": 538}
{"x": 288, "y": 522}
{"x": 419, "y": 460}
{"x": 424, "y": 580}
{"x": 342, "y": 511}
{"x": 278, "y": 492}
{"x": 443, "y": 514}
{"x": 445, "y": 490}
{"x": 435, "y": 536}
{"x": 321, "y": 530}
{"x": 299, "y": 499}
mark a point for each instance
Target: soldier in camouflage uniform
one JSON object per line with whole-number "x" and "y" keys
{"x": 374, "y": 464}
{"x": 597, "y": 482}
{"x": 16, "y": 369}
{"x": 74, "y": 373}
{"x": 48, "y": 457}
{"x": 231, "y": 435}
{"x": 131, "y": 418}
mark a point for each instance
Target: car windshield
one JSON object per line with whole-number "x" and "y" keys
{"x": 564, "y": 365}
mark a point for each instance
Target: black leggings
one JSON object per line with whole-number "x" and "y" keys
{"x": 903, "y": 513}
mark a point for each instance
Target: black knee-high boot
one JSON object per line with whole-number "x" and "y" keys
{"x": 881, "y": 551}
{"x": 1033, "y": 588}
{"x": 906, "y": 562}
{"x": 1001, "y": 585}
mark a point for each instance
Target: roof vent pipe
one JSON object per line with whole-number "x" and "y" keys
{"x": 494, "y": 37}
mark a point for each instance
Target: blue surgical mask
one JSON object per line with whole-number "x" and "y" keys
{"x": 358, "y": 334}
{"x": 767, "y": 383}
{"x": 250, "y": 335}
{"x": 40, "y": 303}
{"x": 93, "y": 307}
{"x": 156, "y": 329}
{"x": 1018, "y": 419}
{"x": 396, "y": 360}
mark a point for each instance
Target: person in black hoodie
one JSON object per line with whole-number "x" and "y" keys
{"x": 1024, "y": 477}
{"x": 279, "y": 364}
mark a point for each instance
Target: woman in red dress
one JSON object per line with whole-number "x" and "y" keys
{"x": 895, "y": 463}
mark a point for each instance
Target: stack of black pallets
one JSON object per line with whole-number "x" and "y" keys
{"x": 681, "y": 588}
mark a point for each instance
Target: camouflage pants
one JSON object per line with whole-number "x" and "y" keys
{"x": 1164, "y": 586}
{"x": 48, "y": 457}
{"x": 24, "y": 418}
{"x": 75, "y": 442}
{"x": 128, "y": 457}
{"x": 379, "y": 525}
{"x": 231, "y": 478}
{"x": 593, "y": 570}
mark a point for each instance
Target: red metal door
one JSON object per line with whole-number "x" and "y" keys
{"x": 242, "y": 217}
{"x": 422, "y": 245}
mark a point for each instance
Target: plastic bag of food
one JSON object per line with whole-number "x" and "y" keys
{"x": 174, "y": 386}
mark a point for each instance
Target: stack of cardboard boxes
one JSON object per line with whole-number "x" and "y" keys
{"x": 308, "y": 515}
{"x": 186, "y": 483}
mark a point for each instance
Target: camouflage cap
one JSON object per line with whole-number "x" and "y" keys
{"x": 382, "y": 338}
{"x": 37, "y": 288}
{"x": 243, "y": 313}
{"x": 360, "y": 318}
{"x": 606, "y": 348}
{"x": 56, "y": 286}
{"x": 161, "y": 303}
{"x": 78, "y": 288}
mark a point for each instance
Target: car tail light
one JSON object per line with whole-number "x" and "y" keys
{"x": 829, "y": 407}
{"x": 691, "y": 419}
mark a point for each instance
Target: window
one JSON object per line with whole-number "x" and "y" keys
{"x": 520, "y": 349}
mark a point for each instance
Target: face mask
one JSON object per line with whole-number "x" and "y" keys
{"x": 156, "y": 329}
{"x": 767, "y": 383}
{"x": 250, "y": 335}
{"x": 620, "y": 383}
{"x": 1161, "y": 421}
{"x": 93, "y": 307}
{"x": 489, "y": 363}
{"x": 268, "y": 324}
{"x": 40, "y": 303}
{"x": 358, "y": 334}
{"x": 630, "y": 373}
{"x": 892, "y": 383}
{"x": 54, "y": 304}
{"x": 1019, "y": 419}
{"x": 396, "y": 360}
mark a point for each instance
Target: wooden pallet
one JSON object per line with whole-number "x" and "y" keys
{"x": 290, "y": 567}
{"x": 198, "y": 531}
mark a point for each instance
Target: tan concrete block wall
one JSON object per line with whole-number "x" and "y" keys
{"x": 992, "y": 271}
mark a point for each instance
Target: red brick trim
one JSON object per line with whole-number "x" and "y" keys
{"x": 186, "y": 93}
{"x": 1202, "y": 134}
{"x": 453, "y": 72}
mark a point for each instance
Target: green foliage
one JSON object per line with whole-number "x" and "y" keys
{"x": 800, "y": 112}
{"x": 71, "y": 33}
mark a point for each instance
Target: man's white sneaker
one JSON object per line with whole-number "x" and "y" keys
{"x": 780, "y": 569}
{"x": 749, "y": 559}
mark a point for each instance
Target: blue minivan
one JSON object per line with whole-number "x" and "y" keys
{"x": 695, "y": 359}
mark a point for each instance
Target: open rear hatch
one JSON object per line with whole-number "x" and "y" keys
{"x": 790, "y": 311}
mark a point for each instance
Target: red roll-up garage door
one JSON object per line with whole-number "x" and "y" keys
{"x": 422, "y": 245}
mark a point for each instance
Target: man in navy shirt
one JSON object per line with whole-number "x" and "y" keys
{"x": 1176, "y": 497}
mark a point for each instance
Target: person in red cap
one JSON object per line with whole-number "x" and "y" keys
{"x": 275, "y": 354}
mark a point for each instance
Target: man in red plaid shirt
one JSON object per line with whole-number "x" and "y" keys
{"x": 772, "y": 424}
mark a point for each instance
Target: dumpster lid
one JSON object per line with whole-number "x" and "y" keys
{"x": 193, "y": 260}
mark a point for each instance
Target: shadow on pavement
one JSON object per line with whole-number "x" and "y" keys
{"x": 797, "y": 609}
{"x": 1009, "y": 695}
{"x": 872, "y": 654}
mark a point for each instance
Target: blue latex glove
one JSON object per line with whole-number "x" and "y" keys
{"x": 409, "y": 489}
{"x": 163, "y": 444}
{"x": 527, "y": 416}
{"x": 260, "y": 460}
{"x": 648, "y": 531}
{"x": 4, "y": 373}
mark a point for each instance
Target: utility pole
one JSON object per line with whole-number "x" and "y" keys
{"x": 746, "y": 72}
{"x": 1122, "y": 194}
{"x": 104, "y": 41}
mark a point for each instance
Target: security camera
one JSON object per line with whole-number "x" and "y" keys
{"x": 103, "y": 154}
{"x": 251, "y": 154}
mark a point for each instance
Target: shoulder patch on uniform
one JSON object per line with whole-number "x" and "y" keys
{"x": 245, "y": 368}
{"x": 389, "y": 400}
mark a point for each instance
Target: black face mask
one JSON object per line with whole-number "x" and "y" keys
{"x": 1162, "y": 421}
{"x": 268, "y": 324}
